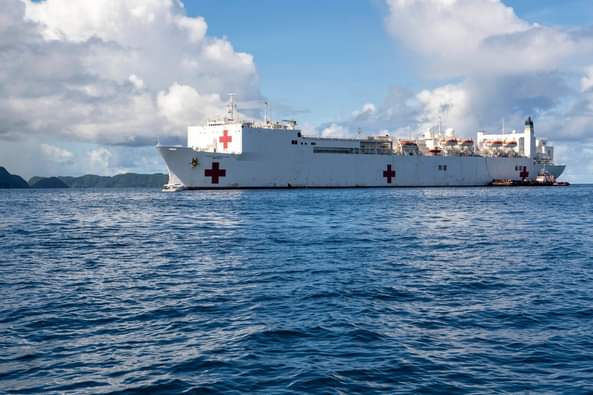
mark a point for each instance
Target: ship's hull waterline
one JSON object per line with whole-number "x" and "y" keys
{"x": 190, "y": 169}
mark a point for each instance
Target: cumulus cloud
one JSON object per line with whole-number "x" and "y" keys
{"x": 99, "y": 159}
{"x": 112, "y": 71}
{"x": 587, "y": 79}
{"x": 336, "y": 131}
{"x": 482, "y": 36}
{"x": 57, "y": 154}
{"x": 508, "y": 67}
{"x": 368, "y": 109}
{"x": 182, "y": 105}
{"x": 504, "y": 67}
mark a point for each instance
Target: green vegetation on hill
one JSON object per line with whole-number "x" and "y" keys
{"x": 127, "y": 180}
{"x": 49, "y": 182}
{"x": 8, "y": 180}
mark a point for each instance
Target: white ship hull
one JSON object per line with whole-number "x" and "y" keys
{"x": 285, "y": 165}
{"x": 246, "y": 157}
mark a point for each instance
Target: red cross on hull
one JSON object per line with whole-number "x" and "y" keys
{"x": 389, "y": 174}
{"x": 215, "y": 173}
{"x": 225, "y": 139}
{"x": 524, "y": 173}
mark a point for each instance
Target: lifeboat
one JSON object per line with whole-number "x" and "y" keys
{"x": 449, "y": 142}
{"x": 510, "y": 144}
{"x": 407, "y": 143}
{"x": 496, "y": 144}
{"x": 435, "y": 151}
{"x": 467, "y": 143}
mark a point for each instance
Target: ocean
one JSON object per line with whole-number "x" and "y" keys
{"x": 435, "y": 290}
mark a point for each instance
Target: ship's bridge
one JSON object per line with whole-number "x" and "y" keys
{"x": 228, "y": 136}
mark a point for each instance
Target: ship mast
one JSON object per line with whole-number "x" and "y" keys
{"x": 231, "y": 108}
{"x": 267, "y": 112}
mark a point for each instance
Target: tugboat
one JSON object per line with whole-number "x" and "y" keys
{"x": 543, "y": 179}
{"x": 546, "y": 178}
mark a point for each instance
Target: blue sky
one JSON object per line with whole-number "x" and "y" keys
{"x": 326, "y": 58}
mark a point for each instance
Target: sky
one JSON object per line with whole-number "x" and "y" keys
{"x": 92, "y": 86}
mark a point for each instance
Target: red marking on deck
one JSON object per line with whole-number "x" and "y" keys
{"x": 225, "y": 139}
{"x": 524, "y": 173}
{"x": 389, "y": 174}
{"x": 215, "y": 172}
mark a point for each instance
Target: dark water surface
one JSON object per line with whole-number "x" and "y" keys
{"x": 297, "y": 291}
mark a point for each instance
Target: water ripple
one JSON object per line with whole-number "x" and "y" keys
{"x": 464, "y": 290}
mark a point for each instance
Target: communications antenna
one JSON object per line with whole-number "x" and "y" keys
{"x": 231, "y": 109}
{"x": 267, "y": 112}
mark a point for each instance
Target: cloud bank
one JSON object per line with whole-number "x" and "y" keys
{"x": 496, "y": 65}
{"x": 112, "y": 71}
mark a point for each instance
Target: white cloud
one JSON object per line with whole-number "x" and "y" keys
{"x": 509, "y": 67}
{"x": 57, "y": 154}
{"x": 367, "y": 109}
{"x": 182, "y": 105}
{"x": 99, "y": 160}
{"x": 449, "y": 102}
{"x": 450, "y": 22}
{"x": 336, "y": 131}
{"x": 110, "y": 71}
{"x": 405, "y": 113}
{"x": 587, "y": 80}
{"x": 457, "y": 37}
{"x": 137, "y": 82}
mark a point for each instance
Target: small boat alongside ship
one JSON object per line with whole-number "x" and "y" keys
{"x": 545, "y": 179}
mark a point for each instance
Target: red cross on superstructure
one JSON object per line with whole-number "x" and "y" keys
{"x": 389, "y": 174}
{"x": 225, "y": 139}
{"x": 215, "y": 172}
{"x": 524, "y": 173}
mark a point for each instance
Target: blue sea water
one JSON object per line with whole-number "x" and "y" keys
{"x": 464, "y": 290}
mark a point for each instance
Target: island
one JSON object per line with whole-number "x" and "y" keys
{"x": 48, "y": 182}
{"x": 126, "y": 180}
{"x": 8, "y": 180}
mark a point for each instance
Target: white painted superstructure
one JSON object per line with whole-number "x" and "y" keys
{"x": 239, "y": 154}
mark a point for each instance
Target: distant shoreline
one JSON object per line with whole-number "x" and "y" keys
{"x": 125, "y": 180}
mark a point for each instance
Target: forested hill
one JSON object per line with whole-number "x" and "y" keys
{"x": 8, "y": 180}
{"x": 127, "y": 180}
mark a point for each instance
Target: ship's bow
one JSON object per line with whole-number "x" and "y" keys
{"x": 173, "y": 159}
{"x": 555, "y": 170}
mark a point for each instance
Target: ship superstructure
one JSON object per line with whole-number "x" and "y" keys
{"x": 244, "y": 154}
